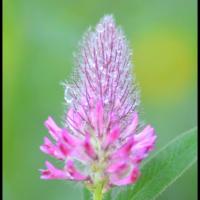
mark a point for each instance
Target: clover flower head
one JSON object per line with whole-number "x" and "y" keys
{"x": 102, "y": 141}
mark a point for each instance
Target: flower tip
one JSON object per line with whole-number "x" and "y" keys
{"x": 106, "y": 22}
{"x": 109, "y": 17}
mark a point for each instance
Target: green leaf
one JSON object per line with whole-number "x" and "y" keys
{"x": 163, "y": 168}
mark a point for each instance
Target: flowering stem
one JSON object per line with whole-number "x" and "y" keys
{"x": 98, "y": 192}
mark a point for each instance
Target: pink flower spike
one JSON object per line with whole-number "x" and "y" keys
{"x": 100, "y": 142}
{"x": 54, "y": 130}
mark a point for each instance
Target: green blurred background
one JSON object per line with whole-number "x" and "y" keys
{"x": 39, "y": 38}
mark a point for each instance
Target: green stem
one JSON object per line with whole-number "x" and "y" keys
{"x": 98, "y": 192}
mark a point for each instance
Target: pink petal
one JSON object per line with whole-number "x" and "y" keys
{"x": 75, "y": 174}
{"x": 138, "y": 154}
{"x": 146, "y": 138}
{"x": 97, "y": 118}
{"x": 112, "y": 117}
{"x": 146, "y": 134}
{"x": 53, "y": 173}
{"x": 64, "y": 149}
{"x": 54, "y": 130}
{"x": 144, "y": 142}
{"x": 131, "y": 178}
{"x": 70, "y": 139}
{"x": 112, "y": 136}
{"x": 99, "y": 114}
{"x": 124, "y": 151}
{"x": 49, "y": 148}
{"x": 88, "y": 147}
{"x": 75, "y": 119}
{"x": 130, "y": 130}
{"x": 117, "y": 167}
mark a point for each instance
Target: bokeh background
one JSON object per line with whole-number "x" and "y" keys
{"x": 39, "y": 38}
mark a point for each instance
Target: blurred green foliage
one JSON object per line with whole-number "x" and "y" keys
{"x": 39, "y": 38}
